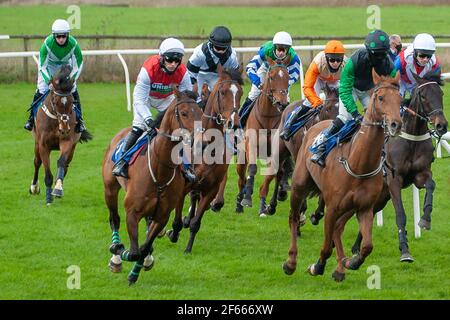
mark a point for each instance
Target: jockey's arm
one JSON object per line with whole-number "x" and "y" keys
{"x": 194, "y": 64}
{"x": 232, "y": 61}
{"x": 309, "y": 83}
{"x": 141, "y": 95}
{"x": 77, "y": 62}
{"x": 346, "y": 87}
{"x": 186, "y": 83}
{"x": 43, "y": 63}
{"x": 252, "y": 67}
{"x": 294, "y": 70}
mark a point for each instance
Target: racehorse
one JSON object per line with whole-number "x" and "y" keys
{"x": 220, "y": 117}
{"x": 410, "y": 156}
{"x": 154, "y": 186}
{"x": 54, "y": 129}
{"x": 351, "y": 180}
{"x": 265, "y": 114}
{"x": 290, "y": 148}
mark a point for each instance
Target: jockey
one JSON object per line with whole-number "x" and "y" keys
{"x": 58, "y": 48}
{"x": 154, "y": 89}
{"x": 356, "y": 83}
{"x": 325, "y": 69}
{"x": 202, "y": 65}
{"x": 395, "y": 43}
{"x": 280, "y": 48}
{"x": 419, "y": 59}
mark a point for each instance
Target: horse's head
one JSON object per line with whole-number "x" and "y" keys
{"x": 427, "y": 98}
{"x": 384, "y": 107}
{"x": 62, "y": 99}
{"x": 276, "y": 83}
{"x": 225, "y": 98}
{"x": 330, "y": 108}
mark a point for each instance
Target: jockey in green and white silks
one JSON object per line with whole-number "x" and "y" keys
{"x": 58, "y": 49}
{"x": 280, "y": 48}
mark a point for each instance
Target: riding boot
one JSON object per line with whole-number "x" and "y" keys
{"x": 121, "y": 166}
{"x": 319, "y": 157}
{"x": 244, "y": 112}
{"x": 80, "y": 127}
{"x": 189, "y": 173}
{"x": 301, "y": 110}
{"x": 30, "y": 122}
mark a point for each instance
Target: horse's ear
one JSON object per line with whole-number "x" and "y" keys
{"x": 375, "y": 76}
{"x": 176, "y": 91}
{"x": 219, "y": 69}
{"x": 287, "y": 61}
{"x": 396, "y": 79}
{"x": 270, "y": 61}
{"x": 241, "y": 68}
{"x": 417, "y": 78}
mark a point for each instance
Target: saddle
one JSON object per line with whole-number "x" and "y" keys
{"x": 131, "y": 155}
{"x": 302, "y": 120}
{"x": 343, "y": 135}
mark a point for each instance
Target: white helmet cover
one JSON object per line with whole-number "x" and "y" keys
{"x": 60, "y": 26}
{"x": 170, "y": 45}
{"x": 424, "y": 41}
{"x": 282, "y": 37}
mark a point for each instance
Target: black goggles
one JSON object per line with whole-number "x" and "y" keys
{"x": 172, "y": 59}
{"x": 281, "y": 47}
{"x": 378, "y": 54}
{"x": 219, "y": 48}
{"x": 61, "y": 35}
{"x": 424, "y": 55}
{"x": 333, "y": 60}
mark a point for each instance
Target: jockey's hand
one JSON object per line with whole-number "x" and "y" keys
{"x": 50, "y": 87}
{"x": 150, "y": 123}
{"x": 357, "y": 116}
{"x": 319, "y": 107}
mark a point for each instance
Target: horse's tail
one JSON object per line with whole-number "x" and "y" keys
{"x": 85, "y": 136}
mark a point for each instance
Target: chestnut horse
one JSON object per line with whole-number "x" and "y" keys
{"x": 351, "y": 181}
{"x": 54, "y": 129}
{"x": 263, "y": 118}
{"x": 410, "y": 156}
{"x": 155, "y": 183}
{"x": 290, "y": 148}
{"x": 220, "y": 117}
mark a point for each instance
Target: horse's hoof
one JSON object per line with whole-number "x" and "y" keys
{"x": 187, "y": 251}
{"x": 149, "y": 262}
{"x": 162, "y": 233}
{"x": 406, "y": 257}
{"x": 282, "y": 195}
{"x": 288, "y": 270}
{"x": 171, "y": 235}
{"x": 271, "y": 209}
{"x": 424, "y": 224}
{"x": 239, "y": 209}
{"x": 132, "y": 279}
{"x": 338, "y": 276}
{"x": 302, "y": 220}
{"x": 355, "y": 251}
{"x": 186, "y": 222}
{"x": 217, "y": 206}
{"x": 57, "y": 193}
{"x": 311, "y": 270}
{"x": 116, "y": 248}
{"x": 263, "y": 215}
{"x": 115, "y": 268}
{"x": 247, "y": 202}
{"x": 34, "y": 190}
{"x": 352, "y": 263}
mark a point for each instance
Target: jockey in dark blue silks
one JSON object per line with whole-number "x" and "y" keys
{"x": 355, "y": 83}
{"x": 154, "y": 89}
{"x": 280, "y": 48}
{"x": 58, "y": 49}
{"x": 325, "y": 69}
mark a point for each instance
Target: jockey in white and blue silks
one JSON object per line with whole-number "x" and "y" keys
{"x": 202, "y": 65}
{"x": 280, "y": 48}
{"x": 419, "y": 59}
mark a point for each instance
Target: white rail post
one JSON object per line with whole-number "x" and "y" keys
{"x": 301, "y": 81}
{"x": 127, "y": 81}
{"x": 380, "y": 218}
{"x": 416, "y": 205}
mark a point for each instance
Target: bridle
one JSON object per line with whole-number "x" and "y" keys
{"x": 373, "y": 109}
{"x": 268, "y": 91}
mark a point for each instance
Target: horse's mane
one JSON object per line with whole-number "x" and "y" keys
{"x": 235, "y": 75}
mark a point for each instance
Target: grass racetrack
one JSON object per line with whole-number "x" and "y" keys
{"x": 234, "y": 256}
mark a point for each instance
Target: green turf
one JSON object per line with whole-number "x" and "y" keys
{"x": 234, "y": 256}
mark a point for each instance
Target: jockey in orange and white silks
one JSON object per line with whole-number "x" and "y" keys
{"x": 325, "y": 69}
{"x": 154, "y": 90}
{"x": 202, "y": 65}
{"x": 420, "y": 59}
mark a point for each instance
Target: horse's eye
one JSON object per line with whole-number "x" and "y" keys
{"x": 380, "y": 98}
{"x": 184, "y": 114}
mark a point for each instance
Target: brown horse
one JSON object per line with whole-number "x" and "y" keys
{"x": 154, "y": 186}
{"x": 290, "y": 148}
{"x": 221, "y": 116}
{"x": 263, "y": 118}
{"x": 54, "y": 129}
{"x": 410, "y": 156}
{"x": 351, "y": 180}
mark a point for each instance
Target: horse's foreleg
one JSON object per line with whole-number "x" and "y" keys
{"x": 133, "y": 228}
{"x": 263, "y": 191}
{"x": 219, "y": 200}
{"x": 177, "y": 223}
{"x": 284, "y": 180}
{"x": 425, "y": 220}
{"x": 241, "y": 171}
{"x": 194, "y": 226}
{"x": 365, "y": 219}
{"x": 339, "y": 273}
{"x": 45, "y": 156}
{"x": 318, "y": 214}
{"x": 395, "y": 186}
{"x": 112, "y": 188}
{"x": 67, "y": 152}
{"x": 34, "y": 188}
{"x": 247, "y": 201}
{"x": 194, "y": 197}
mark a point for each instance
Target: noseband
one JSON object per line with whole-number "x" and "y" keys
{"x": 269, "y": 91}
{"x": 218, "y": 117}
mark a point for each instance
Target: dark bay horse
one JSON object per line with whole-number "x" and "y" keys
{"x": 54, "y": 129}
{"x": 290, "y": 148}
{"x": 263, "y": 118}
{"x": 410, "y": 155}
{"x": 155, "y": 183}
{"x": 351, "y": 181}
{"x": 220, "y": 116}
